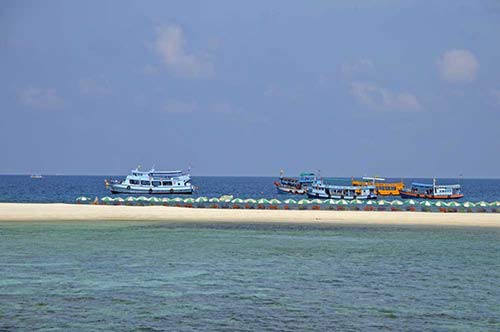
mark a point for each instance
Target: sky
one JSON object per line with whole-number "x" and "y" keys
{"x": 389, "y": 88}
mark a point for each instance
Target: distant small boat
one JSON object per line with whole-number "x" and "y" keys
{"x": 36, "y": 176}
{"x": 295, "y": 186}
{"x": 432, "y": 191}
{"x": 381, "y": 188}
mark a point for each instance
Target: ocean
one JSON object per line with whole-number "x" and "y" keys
{"x": 65, "y": 189}
{"x": 130, "y": 276}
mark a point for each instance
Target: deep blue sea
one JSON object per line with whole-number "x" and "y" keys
{"x": 151, "y": 276}
{"x": 18, "y": 188}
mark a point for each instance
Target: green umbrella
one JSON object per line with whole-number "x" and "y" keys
{"x": 177, "y": 200}
{"x": 107, "y": 199}
{"x": 382, "y": 202}
{"x": 304, "y": 201}
{"x": 440, "y": 203}
{"x": 495, "y": 204}
{"x": 342, "y": 202}
{"x": 410, "y": 202}
{"x": 189, "y": 200}
{"x": 226, "y": 198}
{"x": 370, "y": 202}
{"x": 153, "y": 200}
{"x": 83, "y": 199}
{"x": 357, "y": 202}
{"x": 274, "y": 201}
{"x": 214, "y": 200}
{"x": 482, "y": 204}
{"x": 237, "y": 201}
{"x": 263, "y": 201}
{"x": 468, "y": 204}
{"x": 317, "y": 201}
{"x": 130, "y": 199}
{"x": 454, "y": 204}
{"x": 250, "y": 200}
{"x": 165, "y": 200}
{"x": 142, "y": 199}
{"x": 290, "y": 201}
{"x": 426, "y": 203}
{"x": 201, "y": 200}
{"x": 396, "y": 202}
{"x": 330, "y": 201}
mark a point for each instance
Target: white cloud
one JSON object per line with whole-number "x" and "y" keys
{"x": 94, "y": 87}
{"x": 359, "y": 66}
{"x": 180, "y": 107}
{"x": 496, "y": 95}
{"x": 377, "y": 98}
{"x": 170, "y": 46}
{"x": 41, "y": 98}
{"x": 458, "y": 66}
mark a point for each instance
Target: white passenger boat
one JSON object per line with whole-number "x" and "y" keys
{"x": 319, "y": 189}
{"x": 152, "y": 182}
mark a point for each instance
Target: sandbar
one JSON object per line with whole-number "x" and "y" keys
{"x": 75, "y": 212}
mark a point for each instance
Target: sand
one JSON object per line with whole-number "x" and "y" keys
{"x": 74, "y": 212}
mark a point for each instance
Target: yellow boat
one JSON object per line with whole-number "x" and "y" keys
{"x": 381, "y": 188}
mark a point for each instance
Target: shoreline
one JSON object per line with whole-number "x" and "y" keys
{"x": 73, "y": 212}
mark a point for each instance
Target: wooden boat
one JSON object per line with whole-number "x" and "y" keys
{"x": 294, "y": 186}
{"x": 381, "y": 188}
{"x": 432, "y": 191}
{"x": 320, "y": 189}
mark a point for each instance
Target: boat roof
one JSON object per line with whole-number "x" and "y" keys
{"x": 348, "y": 187}
{"x": 427, "y": 185}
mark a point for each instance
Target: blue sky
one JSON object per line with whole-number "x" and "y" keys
{"x": 394, "y": 88}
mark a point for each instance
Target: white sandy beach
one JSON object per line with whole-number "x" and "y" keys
{"x": 73, "y": 212}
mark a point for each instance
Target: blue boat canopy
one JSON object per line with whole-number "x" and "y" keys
{"x": 425, "y": 185}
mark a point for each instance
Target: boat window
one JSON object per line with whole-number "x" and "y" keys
{"x": 133, "y": 181}
{"x": 167, "y": 183}
{"x": 145, "y": 183}
{"x": 156, "y": 183}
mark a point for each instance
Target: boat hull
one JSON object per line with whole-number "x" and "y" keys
{"x": 427, "y": 196}
{"x": 323, "y": 195}
{"x": 289, "y": 190}
{"x": 123, "y": 189}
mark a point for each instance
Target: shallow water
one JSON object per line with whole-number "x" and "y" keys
{"x": 116, "y": 276}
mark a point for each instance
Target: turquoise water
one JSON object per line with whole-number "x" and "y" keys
{"x": 122, "y": 276}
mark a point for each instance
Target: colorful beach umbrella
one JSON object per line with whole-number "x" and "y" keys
{"x": 237, "y": 201}
{"x": 226, "y": 198}
{"x": 468, "y": 204}
{"x": 330, "y": 201}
